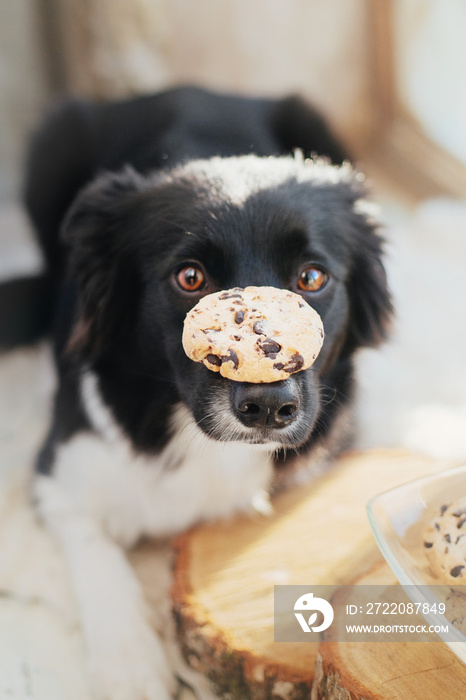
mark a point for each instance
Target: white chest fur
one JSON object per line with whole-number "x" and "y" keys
{"x": 194, "y": 478}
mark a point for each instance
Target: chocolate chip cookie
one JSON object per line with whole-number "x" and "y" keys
{"x": 445, "y": 542}
{"x": 255, "y": 334}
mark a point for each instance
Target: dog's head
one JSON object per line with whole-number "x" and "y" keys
{"x": 144, "y": 249}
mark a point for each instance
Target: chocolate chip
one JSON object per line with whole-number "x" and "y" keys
{"x": 443, "y": 509}
{"x": 269, "y": 346}
{"x": 239, "y": 317}
{"x": 295, "y": 363}
{"x": 231, "y": 357}
{"x": 258, "y": 328}
{"x": 447, "y": 538}
{"x": 455, "y": 572}
{"x": 459, "y": 513}
{"x": 214, "y": 360}
{"x": 278, "y": 365}
{"x": 230, "y": 295}
{"x": 460, "y": 523}
{"x": 428, "y": 545}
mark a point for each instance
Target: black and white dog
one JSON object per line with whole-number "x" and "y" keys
{"x": 161, "y": 200}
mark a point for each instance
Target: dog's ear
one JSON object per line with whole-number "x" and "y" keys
{"x": 99, "y": 233}
{"x": 298, "y": 125}
{"x": 371, "y": 308}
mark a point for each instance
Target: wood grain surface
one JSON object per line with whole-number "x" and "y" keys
{"x": 319, "y": 534}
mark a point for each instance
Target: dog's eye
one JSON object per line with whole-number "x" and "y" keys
{"x": 191, "y": 278}
{"x": 311, "y": 279}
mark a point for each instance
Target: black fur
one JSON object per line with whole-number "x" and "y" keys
{"x": 149, "y": 208}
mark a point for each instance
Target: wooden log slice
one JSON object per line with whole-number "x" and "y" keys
{"x": 225, "y": 574}
{"x": 388, "y": 671}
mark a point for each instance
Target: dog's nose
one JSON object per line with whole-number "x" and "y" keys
{"x": 274, "y": 405}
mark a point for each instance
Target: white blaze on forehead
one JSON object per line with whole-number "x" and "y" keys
{"x": 237, "y": 178}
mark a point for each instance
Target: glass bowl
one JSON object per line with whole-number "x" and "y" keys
{"x": 398, "y": 518}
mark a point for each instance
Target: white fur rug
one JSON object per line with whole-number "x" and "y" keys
{"x": 412, "y": 394}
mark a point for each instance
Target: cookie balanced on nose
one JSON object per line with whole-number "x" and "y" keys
{"x": 253, "y": 334}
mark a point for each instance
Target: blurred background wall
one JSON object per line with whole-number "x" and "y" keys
{"x": 114, "y": 48}
{"x": 265, "y": 46}
{"x": 378, "y": 69}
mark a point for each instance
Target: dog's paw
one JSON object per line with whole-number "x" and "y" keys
{"x": 133, "y": 668}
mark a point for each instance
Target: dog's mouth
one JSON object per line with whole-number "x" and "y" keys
{"x": 228, "y": 429}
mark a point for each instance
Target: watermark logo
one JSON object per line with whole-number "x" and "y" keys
{"x": 369, "y": 613}
{"x": 309, "y": 604}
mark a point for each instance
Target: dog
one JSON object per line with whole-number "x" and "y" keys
{"x": 142, "y": 207}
